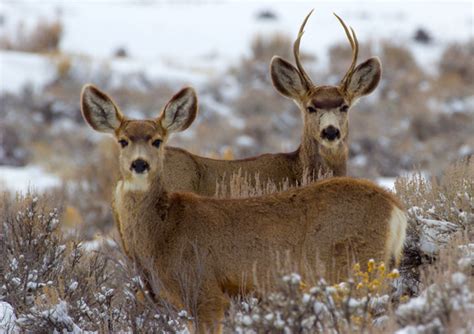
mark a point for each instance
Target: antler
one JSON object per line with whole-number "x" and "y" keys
{"x": 351, "y": 36}
{"x": 296, "y": 52}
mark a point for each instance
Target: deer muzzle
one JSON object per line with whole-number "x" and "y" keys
{"x": 331, "y": 133}
{"x": 139, "y": 166}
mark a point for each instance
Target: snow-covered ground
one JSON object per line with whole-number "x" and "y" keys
{"x": 188, "y": 40}
{"x": 23, "y": 179}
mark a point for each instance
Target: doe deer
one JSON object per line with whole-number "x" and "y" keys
{"x": 229, "y": 245}
{"x": 324, "y": 141}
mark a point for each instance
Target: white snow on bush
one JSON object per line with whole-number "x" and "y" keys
{"x": 428, "y": 312}
{"x": 432, "y": 233}
{"x": 7, "y": 318}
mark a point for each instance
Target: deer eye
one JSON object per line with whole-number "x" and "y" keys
{"x": 123, "y": 142}
{"x": 344, "y": 108}
{"x": 156, "y": 143}
{"x": 311, "y": 109}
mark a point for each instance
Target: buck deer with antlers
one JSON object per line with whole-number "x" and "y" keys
{"x": 324, "y": 141}
{"x": 325, "y": 108}
{"x": 321, "y": 228}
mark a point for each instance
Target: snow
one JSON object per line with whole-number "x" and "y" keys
{"x": 97, "y": 243}
{"x": 245, "y": 141}
{"x": 190, "y": 41}
{"x": 23, "y": 179}
{"x": 59, "y": 315}
{"x": 434, "y": 304}
{"x": 7, "y": 318}
{"x": 18, "y": 69}
{"x": 434, "y": 233}
{"x": 387, "y": 182}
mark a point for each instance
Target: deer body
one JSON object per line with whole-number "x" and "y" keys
{"x": 185, "y": 171}
{"x": 323, "y": 227}
{"x": 224, "y": 247}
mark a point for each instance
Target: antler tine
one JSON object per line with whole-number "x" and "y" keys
{"x": 355, "y": 52}
{"x": 296, "y": 52}
{"x": 351, "y": 36}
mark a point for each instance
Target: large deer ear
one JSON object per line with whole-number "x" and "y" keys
{"x": 286, "y": 78}
{"x": 180, "y": 111}
{"x": 99, "y": 111}
{"x": 365, "y": 78}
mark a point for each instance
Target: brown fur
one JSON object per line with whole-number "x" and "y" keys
{"x": 317, "y": 225}
{"x": 225, "y": 247}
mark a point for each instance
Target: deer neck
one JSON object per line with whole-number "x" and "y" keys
{"x": 141, "y": 210}
{"x": 316, "y": 159}
{"x": 335, "y": 159}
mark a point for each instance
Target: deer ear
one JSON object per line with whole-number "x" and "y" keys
{"x": 180, "y": 111}
{"x": 99, "y": 111}
{"x": 286, "y": 78}
{"x": 365, "y": 78}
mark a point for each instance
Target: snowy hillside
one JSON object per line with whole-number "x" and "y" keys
{"x": 185, "y": 41}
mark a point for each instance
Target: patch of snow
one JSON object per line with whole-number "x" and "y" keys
{"x": 18, "y": 69}
{"x": 23, "y": 179}
{"x": 96, "y": 244}
{"x": 465, "y": 150}
{"x": 387, "y": 182}
{"x": 245, "y": 141}
{"x": 59, "y": 316}
{"x": 7, "y": 319}
{"x": 359, "y": 160}
{"x": 433, "y": 233}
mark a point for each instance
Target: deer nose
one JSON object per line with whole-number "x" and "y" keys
{"x": 139, "y": 166}
{"x": 330, "y": 133}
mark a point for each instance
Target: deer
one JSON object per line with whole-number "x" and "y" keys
{"x": 323, "y": 148}
{"x": 325, "y": 108}
{"x": 228, "y": 246}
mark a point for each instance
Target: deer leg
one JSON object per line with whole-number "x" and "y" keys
{"x": 211, "y": 309}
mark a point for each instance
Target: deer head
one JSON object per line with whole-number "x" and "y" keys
{"x": 325, "y": 108}
{"x": 141, "y": 141}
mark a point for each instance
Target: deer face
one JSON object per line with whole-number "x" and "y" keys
{"x": 142, "y": 141}
{"x": 325, "y": 109}
{"x": 325, "y": 116}
{"x": 141, "y": 152}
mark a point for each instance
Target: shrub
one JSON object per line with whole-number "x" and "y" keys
{"x": 340, "y": 56}
{"x": 294, "y": 308}
{"x": 57, "y": 284}
{"x": 446, "y": 301}
{"x": 45, "y": 36}
{"x": 89, "y": 188}
{"x": 437, "y": 209}
{"x": 458, "y": 58}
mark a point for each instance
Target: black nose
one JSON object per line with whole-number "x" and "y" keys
{"x": 139, "y": 166}
{"x": 330, "y": 133}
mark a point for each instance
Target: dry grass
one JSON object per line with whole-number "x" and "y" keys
{"x": 45, "y": 36}
{"x": 449, "y": 197}
{"x": 242, "y": 185}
